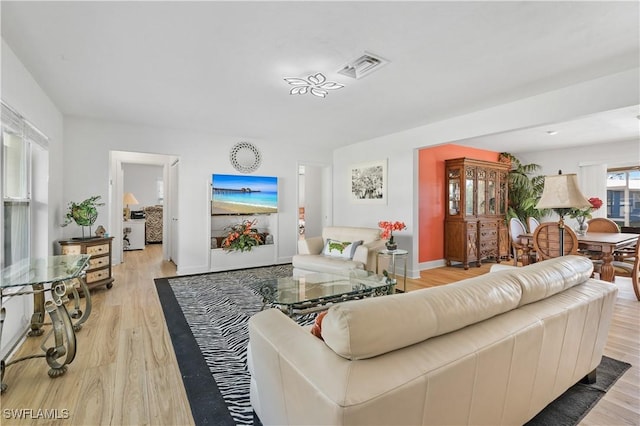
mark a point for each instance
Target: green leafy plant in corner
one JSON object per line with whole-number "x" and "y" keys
{"x": 525, "y": 189}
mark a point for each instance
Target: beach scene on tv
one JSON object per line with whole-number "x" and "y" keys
{"x": 238, "y": 194}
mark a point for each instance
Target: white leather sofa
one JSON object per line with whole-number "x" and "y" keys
{"x": 311, "y": 257}
{"x": 494, "y": 349}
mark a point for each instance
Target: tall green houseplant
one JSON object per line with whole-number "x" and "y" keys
{"x": 525, "y": 189}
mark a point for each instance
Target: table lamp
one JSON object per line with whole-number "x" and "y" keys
{"x": 561, "y": 193}
{"x": 128, "y": 199}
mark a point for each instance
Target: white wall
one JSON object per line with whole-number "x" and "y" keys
{"x": 141, "y": 181}
{"x": 200, "y": 155}
{"x": 603, "y": 94}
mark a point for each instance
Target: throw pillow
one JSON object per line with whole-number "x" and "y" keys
{"x": 316, "y": 330}
{"x": 343, "y": 249}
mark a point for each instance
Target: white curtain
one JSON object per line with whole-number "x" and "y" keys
{"x": 593, "y": 183}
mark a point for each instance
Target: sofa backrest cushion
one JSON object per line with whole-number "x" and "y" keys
{"x": 366, "y": 328}
{"x": 350, "y": 233}
{"x": 544, "y": 279}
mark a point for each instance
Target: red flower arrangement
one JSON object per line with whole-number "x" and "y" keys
{"x": 389, "y": 227}
{"x": 242, "y": 236}
{"x": 596, "y": 203}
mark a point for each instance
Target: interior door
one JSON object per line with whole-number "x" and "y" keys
{"x": 315, "y": 197}
{"x": 173, "y": 226}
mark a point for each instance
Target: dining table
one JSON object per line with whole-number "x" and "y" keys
{"x": 604, "y": 242}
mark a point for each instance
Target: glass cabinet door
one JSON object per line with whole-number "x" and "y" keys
{"x": 482, "y": 188}
{"x": 454, "y": 191}
{"x": 491, "y": 193}
{"x": 503, "y": 194}
{"x": 469, "y": 190}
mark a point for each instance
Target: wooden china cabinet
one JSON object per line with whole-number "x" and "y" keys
{"x": 475, "y": 226}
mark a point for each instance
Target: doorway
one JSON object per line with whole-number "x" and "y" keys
{"x": 118, "y": 161}
{"x": 314, "y": 199}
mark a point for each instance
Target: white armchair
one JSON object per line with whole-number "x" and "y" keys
{"x": 313, "y": 255}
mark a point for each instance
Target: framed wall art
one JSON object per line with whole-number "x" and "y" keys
{"x": 368, "y": 182}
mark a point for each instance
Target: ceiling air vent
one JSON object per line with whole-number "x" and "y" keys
{"x": 364, "y": 65}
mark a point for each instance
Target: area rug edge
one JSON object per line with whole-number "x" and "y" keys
{"x": 207, "y": 405}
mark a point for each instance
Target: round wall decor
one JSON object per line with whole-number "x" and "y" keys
{"x": 245, "y": 157}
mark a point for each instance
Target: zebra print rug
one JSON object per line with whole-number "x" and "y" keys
{"x": 215, "y": 308}
{"x": 207, "y": 318}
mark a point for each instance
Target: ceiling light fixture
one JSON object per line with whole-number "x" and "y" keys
{"x": 316, "y": 84}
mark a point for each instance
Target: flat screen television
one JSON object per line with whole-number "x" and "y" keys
{"x": 243, "y": 194}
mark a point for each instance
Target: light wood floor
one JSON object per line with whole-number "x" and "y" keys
{"x": 125, "y": 371}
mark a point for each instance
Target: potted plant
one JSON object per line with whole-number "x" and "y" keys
{"x": 84, "y": 213}
{"x": 524, "y": 189}
{"x": 387, "y": 232}
{"x": 242, "y": 237}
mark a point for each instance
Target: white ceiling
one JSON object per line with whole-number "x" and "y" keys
{"x": 219, "y": 66}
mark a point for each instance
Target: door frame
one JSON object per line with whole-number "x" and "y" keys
{"x": 116, "y": 192}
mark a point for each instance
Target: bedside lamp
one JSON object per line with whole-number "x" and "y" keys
{"x": 561, "y": 193}
{"x": 128, "y": 199}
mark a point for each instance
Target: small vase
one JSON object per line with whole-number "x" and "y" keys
{"x": 391, "y": 245}
{"x": 582, "y": 227}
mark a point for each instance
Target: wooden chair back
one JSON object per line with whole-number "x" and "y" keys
{"x": 602, "y": 224}
{"x": 546, "y": 241}
{"x": 633, "y": 269}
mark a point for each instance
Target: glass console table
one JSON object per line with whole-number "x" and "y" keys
{"x": 54, "y": 275}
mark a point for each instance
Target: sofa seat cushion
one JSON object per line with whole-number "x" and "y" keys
{"x": 366, "y": 328}
{"x": 322, "y": 263}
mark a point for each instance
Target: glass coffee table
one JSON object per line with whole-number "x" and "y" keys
{"x": 316, "y": 292}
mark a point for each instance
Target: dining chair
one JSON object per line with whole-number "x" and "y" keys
{"x": 630, "y": 266}
{"x": 533, "y": 224}
{"x": 599, "y": 224}
{"x": 517, "y": 228}
{"x": 602, "y": 224}
{"x": 627, "y": 253}
{"x": 546, "y": 241}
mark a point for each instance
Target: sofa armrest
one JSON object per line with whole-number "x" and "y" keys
{"x": 367, "y": 254}
{"x": 311, "y": 245}
{"x": 288, "y": 363}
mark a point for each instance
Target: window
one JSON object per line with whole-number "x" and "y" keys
{"x": 623, "y": 196}
{"x": 21, "y": 142}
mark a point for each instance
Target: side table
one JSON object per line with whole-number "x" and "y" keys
{"x": 49, "y": 275}
{"x": 392, "y": 255}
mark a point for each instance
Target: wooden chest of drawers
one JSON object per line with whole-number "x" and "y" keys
{"x": 99, "y": 272}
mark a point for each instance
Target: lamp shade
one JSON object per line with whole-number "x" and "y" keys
{"x": 129, "y": 199}
{"x": 562, "y": 191}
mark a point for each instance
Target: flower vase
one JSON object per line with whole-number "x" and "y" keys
{"x": 582, "y": 227}
{"x": 391, "y": 244}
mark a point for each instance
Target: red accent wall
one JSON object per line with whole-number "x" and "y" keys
{"x": 431, "y": 187}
